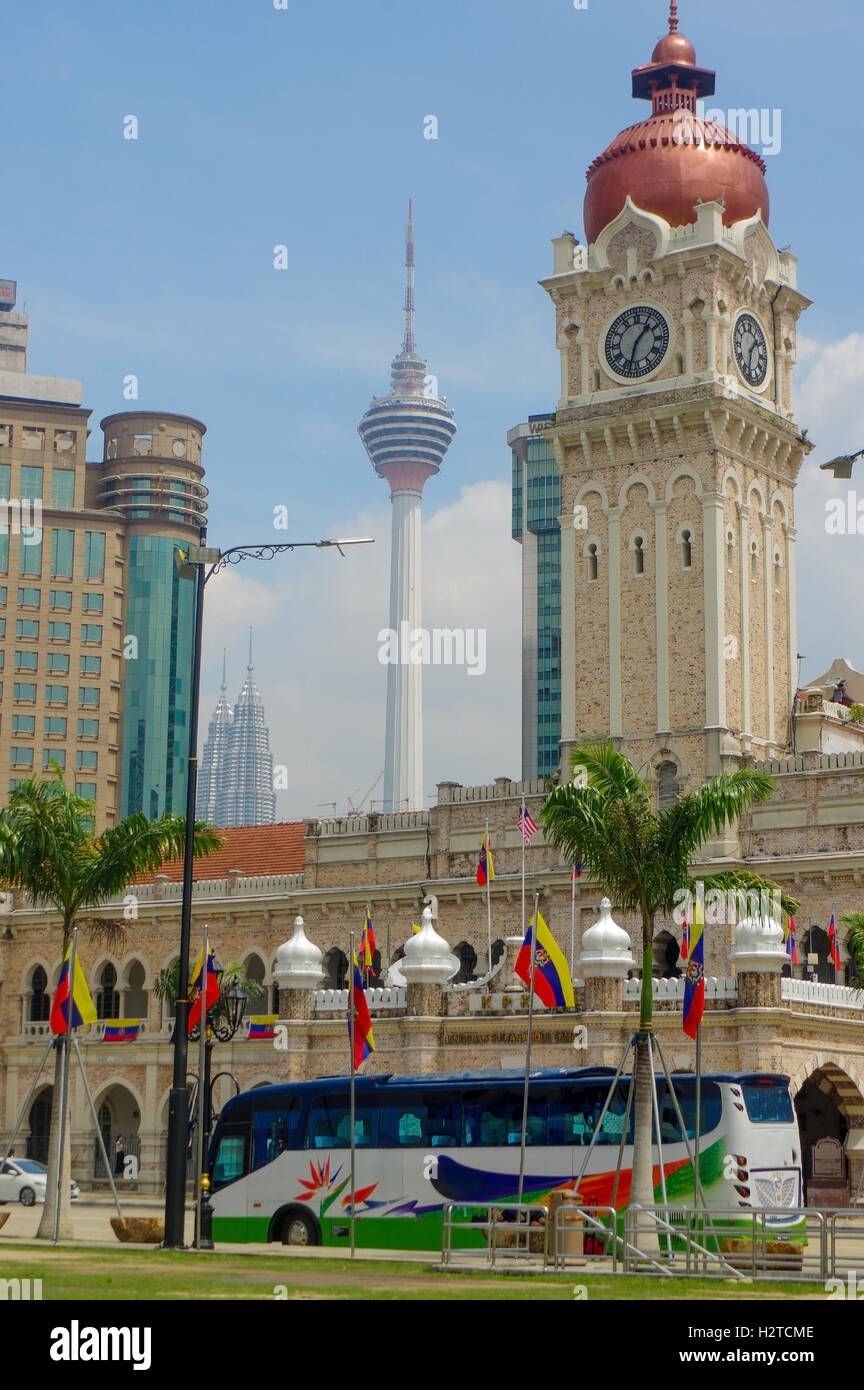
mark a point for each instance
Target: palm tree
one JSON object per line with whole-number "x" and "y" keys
{"x": 855, "y": 944}
{"x": 49, "y": 851}
{"x": 640, "y": 859}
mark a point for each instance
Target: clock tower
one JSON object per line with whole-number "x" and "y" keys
{"x": 676, "y": 443}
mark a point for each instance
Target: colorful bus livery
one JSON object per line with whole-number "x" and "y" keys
{"x": 280, "y": 1158}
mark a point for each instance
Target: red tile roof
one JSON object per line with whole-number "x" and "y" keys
{"x": 253, "y": 849}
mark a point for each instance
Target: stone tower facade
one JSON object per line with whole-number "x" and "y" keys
{"x": 678, "y": 451}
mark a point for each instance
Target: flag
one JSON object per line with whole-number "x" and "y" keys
{"x": 83, "y": 1010}
{"x": 211, "y": 988}
{"x": 552, "y": 983}
{"x": 360, "y": 1027}
{"x": 527, "y": 826}
{"x": 121, "y": 1029}
{"x": 832, "y": 941}
{"x": 694, "y": 980}
{"x": 415, "y": 927}
{"x": 685, "y": 940}
{"x": 261, "y": 1026}
{"x": 485, "y": 867}
{"x": 791, "y": 947}
{"x": 367, "y": 944}
{"x": 577, "y": 868}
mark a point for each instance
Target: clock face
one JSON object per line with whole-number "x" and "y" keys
{"x": 751, "y": 350}
{"x": 637, "y": 341}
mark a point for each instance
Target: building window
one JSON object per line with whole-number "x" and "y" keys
{"x": 29, "y": 598}
{"x": 57, "y": 661}
{"x": 64, "y": 443}
{"x": 88, "y": 695}
{"x": 94, "y": 554}
{"x": 3, "y": 592}
{"x": 62, "y": 488}
{"x": 33, "y": 438}
{"x": 30, "y": 557}
{"x": 4, "y": 553}
{"x": 62, "y": 554}
{"x": 143, "y": 444}
{"x": 21, "y": 757}
{"x": 90, "y": 665}
{"x": 730, "y": 552}
{"x": 92, "y": 603}
{"x": 667, "y": 785}
{"x": 88, "y": 728}
{"x": 686, "y": 550}
{"x": 777, "y": 568}
{"x": 59, "y": 632}
{"x": 54, "y": 755}
{"x": 5, "y": 478}
{"x": 592, "y": 564}
{"x": 87, "y": 790}
{"x": 55, "y": 726}
{"x": 638, "y": 555}
{"x": 86, "y": 758}
{"x": 754, "y": 561}
{"x": 91, "y": 632}
{"x": 467, "y": 961}
{"x": 5, "y": 441}
{"x": 23, "y": 723}
{"x": 107, "y": 996}
{"x": 26, "y": 661}
{"x": 27, "y": 627}
{"x": 60, "y": 598}
{"x": 40, "y": 1003}
{"x": 57, "y": 694}
{"x": 23, "y": 690}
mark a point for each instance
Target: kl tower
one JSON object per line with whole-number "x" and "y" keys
{"x": 406, "y": 435}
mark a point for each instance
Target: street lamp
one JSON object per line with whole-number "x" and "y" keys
{"x": 192, "y": 562}
{"x": 841, "y": 467}
{"x": 221, "y": 1025}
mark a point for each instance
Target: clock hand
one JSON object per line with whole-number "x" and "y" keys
{"x": 636, "y": 353}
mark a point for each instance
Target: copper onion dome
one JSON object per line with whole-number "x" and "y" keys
{"x": 674, "y": 158}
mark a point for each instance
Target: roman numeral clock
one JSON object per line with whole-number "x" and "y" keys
{"x": 637, "y": 342}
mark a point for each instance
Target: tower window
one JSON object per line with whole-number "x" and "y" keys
{"x": 686, "y": 550}
{"x": 777, "y": 566}
{"x": 667, "y": 785}
{"x": 592, "y": 563}
{"x": 754, "y": 561}
{"x": 730, "y": 552}
{"x": 638, "y": 555}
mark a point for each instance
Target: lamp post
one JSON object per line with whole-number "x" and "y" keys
{"x": 192, "y": 562}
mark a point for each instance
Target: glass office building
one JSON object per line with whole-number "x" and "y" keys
{"x": 535, "y": 524}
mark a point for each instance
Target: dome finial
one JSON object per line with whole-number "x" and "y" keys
{"x": 673, "y": 16}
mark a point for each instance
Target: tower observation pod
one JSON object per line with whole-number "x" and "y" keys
{"x": 406, "y": 435}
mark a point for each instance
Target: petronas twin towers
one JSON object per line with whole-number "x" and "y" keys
{"x": 235, "y": 779}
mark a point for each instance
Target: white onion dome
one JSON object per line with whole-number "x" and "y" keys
{"x": 428, "y": 959}
{"x": 759, "y": 945}
{"x": 298, "y": 961}
{"x": 605, "y": 947}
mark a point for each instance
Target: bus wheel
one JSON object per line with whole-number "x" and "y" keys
{"x": 298, "y": 1229}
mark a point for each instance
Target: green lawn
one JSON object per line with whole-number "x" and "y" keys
{"x": 82, "y": 1274}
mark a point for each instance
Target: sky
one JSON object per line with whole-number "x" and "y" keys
{"x": 303, "y": 127}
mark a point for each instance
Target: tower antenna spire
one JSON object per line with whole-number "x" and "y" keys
{"x": 224, "y": 667}
{"x": 250, "y": 649}
{"x": 408, "y": 340}
{"x": 673, "y": 16}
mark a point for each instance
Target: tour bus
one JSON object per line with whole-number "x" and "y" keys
{"x": 280, "y": 1156}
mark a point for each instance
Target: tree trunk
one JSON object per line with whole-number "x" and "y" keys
{"x": 642, "y": 1185}
{"x": 46, "y": 1225}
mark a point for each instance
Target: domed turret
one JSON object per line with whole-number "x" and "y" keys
{"x": 298, "y": 961}
{"x": 675, "y": 158}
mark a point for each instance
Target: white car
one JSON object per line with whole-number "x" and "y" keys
{"x": 24, "y": 1180}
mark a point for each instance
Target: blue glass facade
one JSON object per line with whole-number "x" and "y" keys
{"x": 160, "y": 615}
{"x": 536, "y": 507}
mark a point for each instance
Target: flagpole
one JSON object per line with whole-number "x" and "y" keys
{"x": 528, "y": 1049}
{"x": 203, "y": 1100}
{"x": 697, "y": 1186}
{"x": 489, "y": 903}
{"x": 522, "y": 828}
{"x": 352, "y": 1025}
{"x": 64, "y": 1081}
{"x": 572, "y": 919}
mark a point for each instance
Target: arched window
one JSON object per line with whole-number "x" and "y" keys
{"x": 336, "y": 969}
{"x": 40, "y": 1004}
{"x": 667, "y": 785}
{"x": 107, "y": 996}
{"x": 777, "y": 567}
{"x": 497, "y": 950}
{"x": 686, "y": 550}
{"x": 730, "y": 552}
{"x": 754, "y": 561}
{"x": 467, "y": 961}
{"x": 638, "y": 555}
{"x": 592, "y": 563}
{"x": 135, "y": 1002}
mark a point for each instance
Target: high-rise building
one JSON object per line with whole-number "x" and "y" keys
{"x": 406, "y": 435}
{"x": 536, "y": 525}
{"x": 235, "y": 785}
{"x": 94, "y": 620}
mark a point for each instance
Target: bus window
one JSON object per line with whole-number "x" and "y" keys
{"x": 229, "y": 1162}
{"x": 273, "y": 1131}
{"x": 768, "y": 1103}
{"x": 710, "y": 1108}
{"x": 413, "y": 1122}
{"x": 498, "y": 1122}
{"x": 573, "y": 1120}
{"x": 330, "y": 1124}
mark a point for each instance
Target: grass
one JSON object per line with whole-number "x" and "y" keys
{"x": 103, "y": 1274}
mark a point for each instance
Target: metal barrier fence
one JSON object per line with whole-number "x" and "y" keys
{"x": 792, "y": 1245}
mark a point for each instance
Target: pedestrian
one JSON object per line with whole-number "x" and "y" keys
{"x": 119, "y": 1156}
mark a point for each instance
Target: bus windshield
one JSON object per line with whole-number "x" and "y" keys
{"x": 767, "y": 1103}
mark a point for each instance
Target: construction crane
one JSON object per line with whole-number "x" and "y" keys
{"x": 357, "y": 810}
